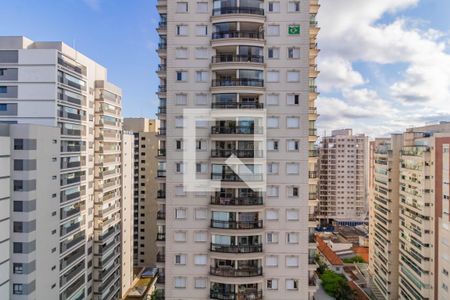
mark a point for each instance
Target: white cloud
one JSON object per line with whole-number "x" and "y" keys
{"x": 354, "y": 31}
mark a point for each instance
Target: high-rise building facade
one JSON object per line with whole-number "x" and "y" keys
{"x": 238, "y": 58}
{"x": 145, "y": 206}
{"x": 410, "y": 212}
{"x": 76, "y": 254}
{"x": 343, "y": 178}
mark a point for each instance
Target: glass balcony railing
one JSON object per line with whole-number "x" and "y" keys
{"x": 238, "y": 10}
{"x": 238, "y": 35}
{"x": 234, "y": 105}
{"x": 225, "y": 58}
{"x": 236, "y": 248}
{"x": 225, "y": 153}
{"x": 237, "y": 130}
{"x": 237, "y": 224}
{"x": 229, "y": 271}
{"x": 236, "y": 178}
{"x": 249, "y": 200}
{"x": 237, "y": 82}
{"x": 244, "y": 295}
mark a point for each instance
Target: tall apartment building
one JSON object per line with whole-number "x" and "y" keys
{"x": 145, "y": 189}
{"x": 251, "y": 62}
{"x": 410, "y": 202}
{"x": 75, "y": 254}
{"x": 343, "y": 178}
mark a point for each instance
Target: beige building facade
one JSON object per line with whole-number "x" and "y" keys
{"x": 343, "y": 178}
{"x": 251, "y": 64}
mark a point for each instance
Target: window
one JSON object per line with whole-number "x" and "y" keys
{"x": 293, "y": 145}
{"x": 292, "y": 191}
{"x": 272, "y": 99}
{"x": 179, "y": 167}
{"x": 272, "y": 145}
{"x": 291, "y": 261}
{"x": 201, "y": 214}
{"x": 179, "y": 191}
{"x": 272, "y": 122}
{"x": 274, "y": 6}
{"x": 200, "y": 283}
{"x": 294, "y": 6}
{"x": 273, "y": 53}
{"x": 179, "y": 144}
{"x": 24, "y": 144}
{"x": 273, "y": 30}
{"x": 292, "y": 168}
{"x": 272, "y": 284}
{"x": 291, "y": 284}
{"x": 272, "y": 261}
{"x": 3, "y": 107}
{"x": 201, "y": 99}
{"x": 273, "y": 76}
{"x": 181, "y": 99}
{"x": 180, "y": 236}
{"x": 179, "y": 122}
{"x": 272, "y": 191}
{"x": 200, "y": 260}
{"x": 293, "y": 76}
{"x": 292, "y": 238}
{"x": 2, "y": 72}
{"x": 201, "y": 53}
{"x": 293, "y": 53}
{"x": 272, "y": 238}
{"x": 272, "y": 168}
{"x": 202, "y": 7}
{"x": 3, "y": 89}
{"x": 201, "y": 30}
{"x": 180, "y": 259}
{"x": 200, "y": 145}
{"x": 182, "y": 30}
{"x": 17, "y": 289}
{"x": 201, "y": 76}
{"x": 293, "y": 122}
{"x": 180, "y": 282}
{"x": 293, "y": 99}
{"x": 182, "y": 7}
{"x": 182, "y": 75}
{"x": 181, "y": 53}
{"x": 201, "y": 236}
{"x": 17, "y": 268}
{"x": 180, "y": 213}
{"x": 292, "y": 215}
{"x": 272, "y": 214}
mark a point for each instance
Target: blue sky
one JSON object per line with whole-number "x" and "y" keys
{"x": 375, "y": 76}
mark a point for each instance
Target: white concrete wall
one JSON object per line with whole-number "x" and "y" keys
{"x": 4, "y": 216}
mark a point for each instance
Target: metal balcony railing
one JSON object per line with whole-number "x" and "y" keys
{"x": 225, "y": 153}
{"x": 238, "y": 34}
{"x": 236, "y": 248}
{"x": 224, "y": 58}
{"x": 240, "y": 272}
{"x": 238, "y": 10}
{"x": 236, "y": 130}
{"x": 238, "y": 201}
{"x": 238, "y": 82}
{"x": 232, "y": 105}
{"x": 237, "y": 224}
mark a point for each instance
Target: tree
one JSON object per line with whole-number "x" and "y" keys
{"x": 336, "y": 286}
{"x": 354, "y": 259}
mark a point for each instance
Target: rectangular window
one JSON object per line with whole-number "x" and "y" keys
{"x": 182, "y": 75}
{"x": 3, "y": 107}
{"x": 272, "y": 238}
{"x": 272, "y": 261}
{"x": 3, "y": 89}
{"x": 201, "y": 214}
{"x": 291, "y": 284}
{"x": 292, "y": 191}
{"x": 180, "y": 236}
{"x": 201, "y": 53}
{"x": 273, "y": 76}
{"x": 179, "y": 122}
{"x": 181, "y": 99}
{"x": 293, "y": 53}
{"x": 201, "y": 168}
{"x": 201, "y": 99}
{"x": 272, "y": 168}
{"x": 271, "y": 214}
{"x": 179, "y": 191}
{"x": 293, "y": 76}
{"x": 200, "y": 283}
{"x": 294, "y": 6}
{"x": 202, "y": 7}
{"x": 18, "y": 289}
{"x": 293, "y": 145}
{"x": 201, "y": 30}
{"x": 292, "y": 215}
{"x": 179, "y": 167}
{"x": 181, "y": 53}
{"x": 293, "y": 99}
{"x": 182, "y": 30}
{"x": 272, "y": 122}
{"x": 201, "y": 236}
{"x": 180, "y": 282}
{"x": 180, "y": 259}
{"x": 201, "y": 76}
{"x": 292, "y": 122}
{"x": 292, "y": 261}
{"x": 292, "y": 168}
{"x": 292, "y": 238}
{"x": 274, "y": 6}
{"x": 272, "y": 284}
{"x": 272, "y": 191}
{"x": 272, "y": 145}
{"x": 18, "y": 268}
{"x": 182, "y": 7}
{"x": 200, "y": 260}
{"x": 273, "y": 30}
{"x": 273, "y": 53}
{"x": 180, "y": 213}
{"x": 272, "y": 99}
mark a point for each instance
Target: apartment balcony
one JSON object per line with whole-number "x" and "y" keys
{"x": 162, "y": 111}
{"x": 252, "y": 35}
{"x": 162, "y": 49}
{"x": 72, "y": 98}
{"x": 314, "y": 7}
{"x": 162, "y": 89}
{"x": 162, "y": 70}
{"x": 235, "y": 249}
{"x": 313, "y": 28}
{"x": 232, "y": 10}
{"x": 161, "y": 152}
{"x": 238, "y": 82}
{"x": 160, "y": 237}
{"x": 162, "y": 27}
{"x": 232, "y": 58}
{"x": 237, "y": 105}
{"x": 225, "y": 295}
{"x": 313, "y": 153}
{"x": 312, "y": 196}
{"x": 161, "y": 5}
{"x": 312, "y": 132}
{"x": 71, "y": 116}
{"x": 237, "y": 225}
{"x": 231, "y": 177}
{"x": 312, "y": 174}
{"x": 161, "y": 258}
{"x": 226, "y": 153}
{"x": 237, "y": 201}
{"x": 72, "y": 66}
{"x": 161, "y": 215}
{"x": 161, "y": 173}
{"x": 229, "y": 271}
{"x": 161, "y": 194}
{"x": 162, "y": 131}
{"x": 237, "y": 130}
